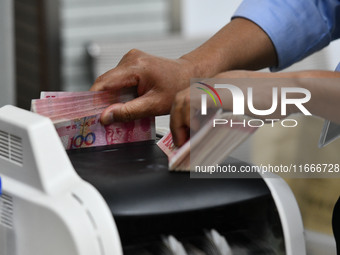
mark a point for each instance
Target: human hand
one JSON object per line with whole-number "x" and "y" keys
{"x": 157, "y": 80}
{"x": 188, "y": 101}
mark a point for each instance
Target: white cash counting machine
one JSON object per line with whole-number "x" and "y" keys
{"x": 123, "y": 200}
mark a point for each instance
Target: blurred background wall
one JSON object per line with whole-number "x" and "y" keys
{"x": 7, "y": 83}
{"x": 66, "y": 44}
{"x": 52, "y": 36}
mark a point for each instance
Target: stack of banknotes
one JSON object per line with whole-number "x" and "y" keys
{"x": 210, "y": 145}
{"x": 76, "y": 117}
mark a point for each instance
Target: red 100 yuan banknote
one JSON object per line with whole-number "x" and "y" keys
{"x": 76, "y": 117}
{"x": 88, "y": 132}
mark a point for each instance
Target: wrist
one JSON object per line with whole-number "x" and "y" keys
{"x": 192, "y": 66}
{"x": 201, "y": 65}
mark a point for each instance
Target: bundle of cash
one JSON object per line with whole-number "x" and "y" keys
{"x": 210, "y": 145}
{"x": 76, "y": 117}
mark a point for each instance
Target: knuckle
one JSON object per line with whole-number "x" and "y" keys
{"x": 132, "y": 54}
{"x": 178, "y": 97}
{"x": 100, "y": 79}
{"x": 182, "y": 98}
{"x": 135, "y": 57}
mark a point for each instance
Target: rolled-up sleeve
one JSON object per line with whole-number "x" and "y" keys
{"x": 297, "y": 28}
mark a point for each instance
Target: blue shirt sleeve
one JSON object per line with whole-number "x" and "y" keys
{"x": 297, "y": 28}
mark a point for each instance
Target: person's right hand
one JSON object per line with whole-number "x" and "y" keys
{"x": 157, "y": 80}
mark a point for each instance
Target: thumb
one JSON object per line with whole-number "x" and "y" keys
{"x": 123, "y": 112}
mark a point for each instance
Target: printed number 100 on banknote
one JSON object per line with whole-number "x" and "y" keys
{"x": 88, "y": 132}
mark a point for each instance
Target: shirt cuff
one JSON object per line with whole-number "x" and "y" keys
{"x": 296, "y": 27}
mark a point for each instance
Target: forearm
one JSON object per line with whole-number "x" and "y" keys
{"x": 324, "y": 87}
{"x": 239, "y": 45}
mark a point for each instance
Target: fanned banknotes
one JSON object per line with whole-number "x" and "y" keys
{"x": 76, "y": 117}
{"x": 209, "y": 146}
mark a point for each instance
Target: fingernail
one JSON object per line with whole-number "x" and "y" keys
{"x": 108, "y": 118}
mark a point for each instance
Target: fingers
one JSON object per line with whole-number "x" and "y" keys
{"x": 180, "y": 118}
{"x": 116, "y": 79}
{"x": 137, "y": 108}
{"x": 126, "y": 74}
